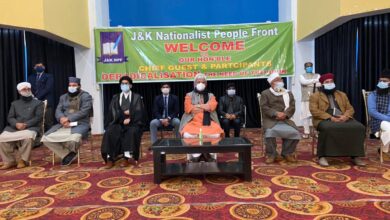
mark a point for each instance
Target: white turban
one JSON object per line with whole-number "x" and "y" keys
{"x": 272, "y": 77}
{"x": 200, "y": 76}
{"x": 23, "y": 85}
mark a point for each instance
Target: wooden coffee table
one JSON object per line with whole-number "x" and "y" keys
{"x": 239, "y": 145}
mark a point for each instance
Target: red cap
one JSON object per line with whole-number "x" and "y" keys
{"x": 326, "y": 76}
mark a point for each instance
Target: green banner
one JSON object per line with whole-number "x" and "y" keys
{"x": 156, "y": 54}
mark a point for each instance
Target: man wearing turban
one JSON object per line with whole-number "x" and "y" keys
{"x": 24, "y": 119}
{"x": 339, "y": 134}
{"x": 278, "y": 107}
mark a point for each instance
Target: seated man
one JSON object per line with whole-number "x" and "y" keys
{"x": 339, "y": 134}
{"x": 24, "y": 118}
{"x": 165, "y": 112}
{"x": 379, "y": 109}
{"x": 200, "y": 120}
{"x": 123, "y": 125}
{"x": 231, "y": 111}
{"x": 72, "y": 113}
{"x": 277, "y": 107}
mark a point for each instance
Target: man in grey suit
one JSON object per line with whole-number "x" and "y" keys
{"x": 25, "y": 119}
{"x": 277, "y": 107}
{"x": 72, "y": 113}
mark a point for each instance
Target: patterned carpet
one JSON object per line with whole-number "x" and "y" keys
{"x": 281, "y": 191}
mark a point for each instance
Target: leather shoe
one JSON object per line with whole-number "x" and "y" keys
{"x": 290, "y": 158}
{"x": 270, "y": 159}
{"x": 108, "y": 165}
{"x": 124, "y": 163}
{"x": 7, "y": 166}
{"x": 21, "y": 164}
{"x": 68, "y": 159}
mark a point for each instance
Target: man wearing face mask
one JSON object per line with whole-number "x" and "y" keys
{"x": 73, "y": 114}
{"x": 309, "y": 83}
{"x": 24, "y": 118}
{"x": 379, "y": 109}
{"x": 339, "y": 134}
{"x": 165, "y": 112}
{"x": 278, "y": 107}
{"x": 200, "y": 119}
{"x": 231, "y": 110}
{"x": 42, "y": 88}
{"x": 123, "y": 124}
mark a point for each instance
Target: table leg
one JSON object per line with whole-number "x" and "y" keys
{"x": 247, "y": 164}
{"x": 157, "y": 166}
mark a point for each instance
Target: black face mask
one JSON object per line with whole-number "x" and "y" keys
{"x": 26, "y": 99}
{"x": 382, "y": 91}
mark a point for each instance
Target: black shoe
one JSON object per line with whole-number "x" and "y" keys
{"x": 68, "y": 159}
{"x": 372, "y": 136}
{"x": 195, "y": 159}
{"x": 208, "y": 158}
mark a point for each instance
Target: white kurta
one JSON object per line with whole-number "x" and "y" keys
{"x": 305, "y": 111}
{"x": 385, "y": 136}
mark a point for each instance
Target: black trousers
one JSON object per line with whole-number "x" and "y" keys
{"x": 235, "y": 124}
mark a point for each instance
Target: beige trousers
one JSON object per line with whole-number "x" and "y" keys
{"x": 7, "y": 150}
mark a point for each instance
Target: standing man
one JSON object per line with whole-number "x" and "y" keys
{"x": 230, "y": 107}
{"x": 379, "y": 108}
{"x": 24, "y": 118}
{"x": 42, "y": 85}
{"x": 309, "y": 83}
{"x": 165, "y": 112}
{"x": 72, "y": 113}
{"x": 278, "y": 107}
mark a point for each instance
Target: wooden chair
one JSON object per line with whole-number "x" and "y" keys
{"x": 368, "y": 121}
{"x": 243, "y": 123}
{"x": 42, "y": 125}
{"x": 314, "y": 135}
{"x": 262, "y": 145}
{"x": 83, "y": 141}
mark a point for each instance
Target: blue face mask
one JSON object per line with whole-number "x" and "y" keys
{"x": 309, "y": 69}
{"x": 125, "y": 87}
{"x": 329, "y": 86}
{"x": 382, "y": 85}
{"x": 39, "y": 69}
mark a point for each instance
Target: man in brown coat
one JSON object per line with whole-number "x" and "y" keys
{"x": 277, "y": 107}
{"x": 339, "y": 134}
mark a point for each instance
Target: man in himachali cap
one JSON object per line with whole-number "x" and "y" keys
{"x": 74, "y": 80}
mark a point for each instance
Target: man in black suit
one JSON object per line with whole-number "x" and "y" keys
{"x": 42, "y": 88}
{"x": 230, "y": 107}
{"x": 165, "y": 112}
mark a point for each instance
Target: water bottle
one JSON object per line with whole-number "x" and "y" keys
{"x": 200, "y": 135}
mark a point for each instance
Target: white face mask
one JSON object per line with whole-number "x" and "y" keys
{"x": 165, "y": 91}
{"x": 329, "y": 86}
{"x": 279, "y": 86}
{"x": 72, "y": 89}
{"x": 25, "y": 94}
{"x": 231, "y": 92}
{"x": 200, "y": 87}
